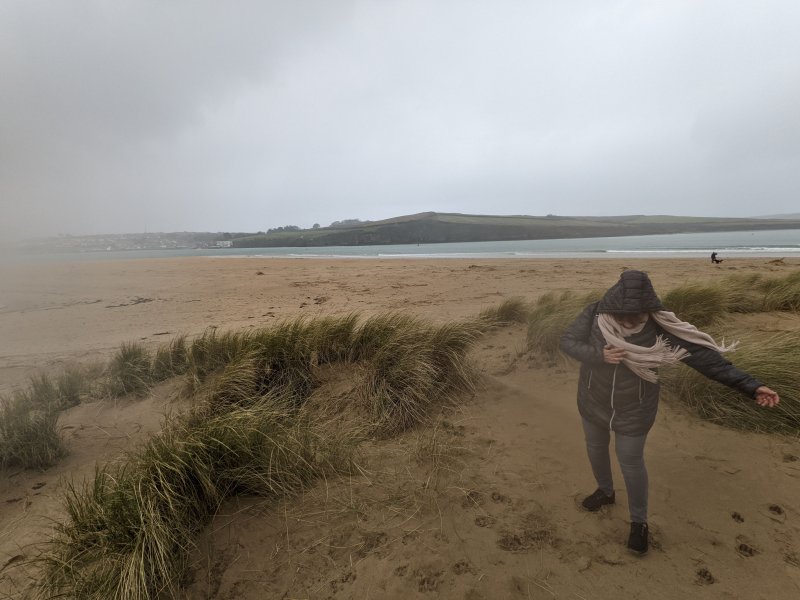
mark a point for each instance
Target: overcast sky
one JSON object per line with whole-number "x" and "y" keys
{"x": 167, "y": 115}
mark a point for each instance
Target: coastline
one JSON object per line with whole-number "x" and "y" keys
{"x": 741, "y": 244}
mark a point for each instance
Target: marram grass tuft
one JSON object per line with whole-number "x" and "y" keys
{"x": 129, "y": 371}
{"x": 512, "y": 310}
{"x": 549, "y": 316}
{"x": 130, "y": 529}
{"x": 29, "y": 435}
{"x": 770, "y": 358}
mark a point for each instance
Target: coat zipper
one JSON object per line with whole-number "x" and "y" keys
{"x": 613, "y": 385}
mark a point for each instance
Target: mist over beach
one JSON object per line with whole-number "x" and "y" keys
{"x": 282, "y": 287}
{"x": 261, "y": 116}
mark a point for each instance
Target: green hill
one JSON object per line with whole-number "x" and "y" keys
{"x": 431, "y": 227}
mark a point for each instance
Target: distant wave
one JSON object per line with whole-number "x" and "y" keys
{"x": 740, "y": 250}
{"x": 298, "y": 255}
{"x": 446, "y": 255}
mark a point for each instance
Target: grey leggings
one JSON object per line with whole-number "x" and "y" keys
{"x": 630, "y": 454}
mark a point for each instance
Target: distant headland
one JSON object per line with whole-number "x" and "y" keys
{"x": 433, "y": 227}
{"x": 421, "y": 228}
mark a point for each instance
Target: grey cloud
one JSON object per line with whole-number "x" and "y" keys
{"x": 248, "y": 115}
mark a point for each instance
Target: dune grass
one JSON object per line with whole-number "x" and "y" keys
{"x": 706, "y": 303}
{"x": 699, "y": 303}
{"x": 65, "y": 392}
{"x": 408, "y": 364}
{"x": 770, "y": 358}
{"x": 415, "y": 366}
{"x": 782, "y": 293}
{"x": 129, "y": 371}
{"x": 549, "y": 316}
{"x": 170, "y": 360}
{"x": 29, "y": 435}
{"x": 512, "y": 310}
{"x": 130, "y": 529}
{"x": 72, "y": 385}
{"x": 281, "y": 356}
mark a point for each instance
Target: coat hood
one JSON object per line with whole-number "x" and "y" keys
{"x": 633, "y": 293}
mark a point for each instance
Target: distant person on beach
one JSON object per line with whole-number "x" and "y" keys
{"x": 714, "y": 258}
{"x": 621, "y": 341}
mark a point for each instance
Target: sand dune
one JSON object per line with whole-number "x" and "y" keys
{"x": 481, "y": 503}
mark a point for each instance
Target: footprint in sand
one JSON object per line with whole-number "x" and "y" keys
{"x": 370, "y": 540}
{"x": 775, "y": 512}
{"x": 737, "y": 517}
{"x": 339, "y": 583}
{"x": 499, "y": 498}
{"x": 462, "y": 567}
{"x": 704, "y": 577}
{"x": 484, "y": 521}
{"x": 745, "y": 548}
{"x": 428, "y": 579}
{"x": 472, "y": 499}
{"x": 535, "y": 533}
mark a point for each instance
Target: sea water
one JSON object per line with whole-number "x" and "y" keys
{"x": 783, "y": 243}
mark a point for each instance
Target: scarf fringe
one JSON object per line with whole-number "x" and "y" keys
{"x": 643, "y": 360}
{"x": 690, "y": 333}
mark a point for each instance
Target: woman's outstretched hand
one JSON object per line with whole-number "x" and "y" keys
{"x": 613, "y": 355}
{"x": 766, "y": 397}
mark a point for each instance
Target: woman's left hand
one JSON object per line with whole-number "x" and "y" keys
{"x": 766, "y": 397}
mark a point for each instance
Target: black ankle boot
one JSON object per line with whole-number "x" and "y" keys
{"x": 597, "y": 499}
{"x": 637, "y": 540}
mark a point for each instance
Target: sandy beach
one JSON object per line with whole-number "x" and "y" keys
{"x": 55, "y": 312}
{"x": 481, "y": 504}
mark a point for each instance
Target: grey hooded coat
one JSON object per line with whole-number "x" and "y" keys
{"x": 612, "y": 395}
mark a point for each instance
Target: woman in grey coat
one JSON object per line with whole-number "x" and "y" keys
{"x": 620, "y": 341}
